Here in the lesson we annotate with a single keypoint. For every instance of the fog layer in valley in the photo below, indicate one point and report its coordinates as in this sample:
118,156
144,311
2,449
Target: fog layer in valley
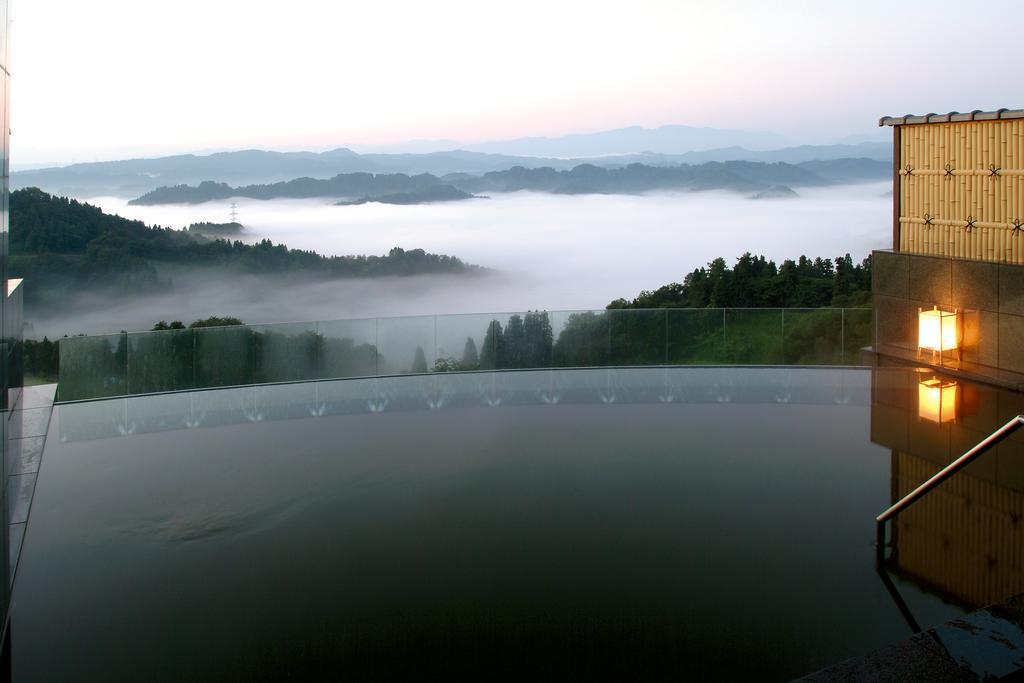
549,252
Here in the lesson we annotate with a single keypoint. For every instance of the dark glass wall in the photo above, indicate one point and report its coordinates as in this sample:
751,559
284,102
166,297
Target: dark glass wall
11,333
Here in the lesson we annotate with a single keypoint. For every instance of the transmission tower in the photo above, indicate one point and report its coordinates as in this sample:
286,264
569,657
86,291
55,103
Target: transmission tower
234,212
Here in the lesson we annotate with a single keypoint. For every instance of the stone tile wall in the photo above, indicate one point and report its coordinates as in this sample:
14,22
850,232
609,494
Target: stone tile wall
989,295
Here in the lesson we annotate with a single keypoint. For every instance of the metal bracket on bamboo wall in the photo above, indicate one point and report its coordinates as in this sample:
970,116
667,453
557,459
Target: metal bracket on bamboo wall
949,171
1016,225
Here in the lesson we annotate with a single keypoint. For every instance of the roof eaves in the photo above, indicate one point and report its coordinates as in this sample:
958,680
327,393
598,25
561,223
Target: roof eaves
953,116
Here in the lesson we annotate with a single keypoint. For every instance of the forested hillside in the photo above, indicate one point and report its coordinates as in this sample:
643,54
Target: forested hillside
755,282
63,244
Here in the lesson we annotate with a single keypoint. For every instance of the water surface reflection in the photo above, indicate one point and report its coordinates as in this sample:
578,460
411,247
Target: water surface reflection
641,523
963,541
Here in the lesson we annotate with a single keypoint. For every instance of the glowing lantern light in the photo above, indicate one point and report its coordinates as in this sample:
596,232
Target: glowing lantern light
937,330
937,400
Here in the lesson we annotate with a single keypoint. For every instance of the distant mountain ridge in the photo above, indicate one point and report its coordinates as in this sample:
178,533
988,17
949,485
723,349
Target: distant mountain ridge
767,179
879,151
135,177
669,139
132,176
739,176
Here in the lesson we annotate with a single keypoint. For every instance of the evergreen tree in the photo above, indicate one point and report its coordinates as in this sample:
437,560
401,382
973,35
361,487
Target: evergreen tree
492,356
842,283
419,361
470,357
515,342
538,340
788,282
718,279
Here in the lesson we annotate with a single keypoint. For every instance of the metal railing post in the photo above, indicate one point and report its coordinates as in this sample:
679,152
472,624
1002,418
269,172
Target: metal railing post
782,340
723,333
842,335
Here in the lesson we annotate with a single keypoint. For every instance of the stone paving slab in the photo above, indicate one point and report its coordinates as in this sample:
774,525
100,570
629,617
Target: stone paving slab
24,455
27,426
40,396
29,422
985,645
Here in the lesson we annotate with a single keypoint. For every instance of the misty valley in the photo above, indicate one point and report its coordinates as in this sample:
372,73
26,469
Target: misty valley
535,250
439,233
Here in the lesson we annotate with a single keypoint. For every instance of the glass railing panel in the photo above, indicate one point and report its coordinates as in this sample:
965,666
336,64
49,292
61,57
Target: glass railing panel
158,413
637,385
813,336
13,310
286,352
638,337
464,389
466,342
226,406
532,387
12,332
161,361
694,336
91,419
224,356
581,339
406,345
286,401
174,360
349,396
858,332
93,367
753,336
6,459
7,353
567,386
398,394
348,348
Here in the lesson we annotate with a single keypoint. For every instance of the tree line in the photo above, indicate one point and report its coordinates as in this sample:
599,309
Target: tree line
755,282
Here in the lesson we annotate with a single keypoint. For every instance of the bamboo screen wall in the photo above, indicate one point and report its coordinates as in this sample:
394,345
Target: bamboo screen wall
961,190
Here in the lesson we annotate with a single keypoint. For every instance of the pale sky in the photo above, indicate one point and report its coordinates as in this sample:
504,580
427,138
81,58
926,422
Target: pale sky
103,79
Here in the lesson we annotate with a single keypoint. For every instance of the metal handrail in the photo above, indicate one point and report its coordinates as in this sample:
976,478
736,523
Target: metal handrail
945,473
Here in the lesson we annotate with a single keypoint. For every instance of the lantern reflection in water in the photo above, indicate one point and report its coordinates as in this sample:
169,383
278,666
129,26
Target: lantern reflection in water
937,400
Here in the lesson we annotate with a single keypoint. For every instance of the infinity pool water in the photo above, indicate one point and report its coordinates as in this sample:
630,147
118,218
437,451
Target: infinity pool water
634,524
